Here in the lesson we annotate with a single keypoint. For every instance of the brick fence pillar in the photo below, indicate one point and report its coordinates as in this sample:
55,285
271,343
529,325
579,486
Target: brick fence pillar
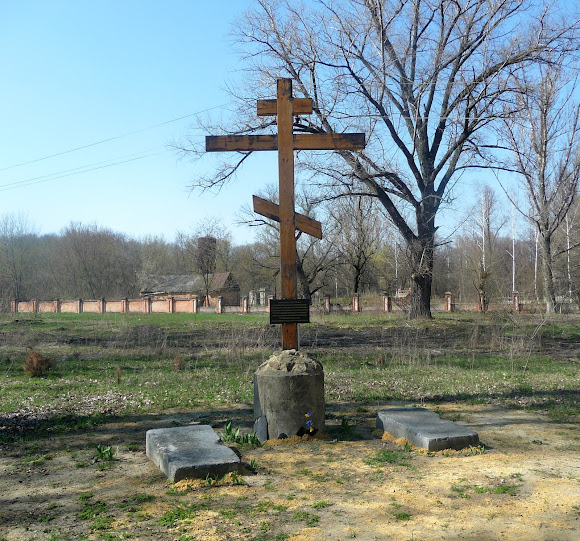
448,302
125,306
356,304
516,306
327,306
14,305
270,297
245,305
195,305
387,304
482,306
219,307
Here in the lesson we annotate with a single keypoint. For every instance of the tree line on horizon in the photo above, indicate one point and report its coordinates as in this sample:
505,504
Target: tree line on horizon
488,254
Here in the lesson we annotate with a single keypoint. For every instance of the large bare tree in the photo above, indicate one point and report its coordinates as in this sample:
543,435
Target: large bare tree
422,78
543,140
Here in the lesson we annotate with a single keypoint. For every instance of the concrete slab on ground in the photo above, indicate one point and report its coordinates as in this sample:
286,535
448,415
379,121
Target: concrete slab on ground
425,429
190,452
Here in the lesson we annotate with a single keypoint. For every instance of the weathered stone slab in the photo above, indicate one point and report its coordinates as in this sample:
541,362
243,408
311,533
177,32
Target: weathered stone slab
190,451
425,429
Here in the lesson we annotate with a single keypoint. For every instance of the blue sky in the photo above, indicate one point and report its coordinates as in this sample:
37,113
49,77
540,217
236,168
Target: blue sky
80,72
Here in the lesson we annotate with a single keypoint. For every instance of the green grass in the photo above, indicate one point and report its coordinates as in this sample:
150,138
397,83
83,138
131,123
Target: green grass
464,490
110,365
386,456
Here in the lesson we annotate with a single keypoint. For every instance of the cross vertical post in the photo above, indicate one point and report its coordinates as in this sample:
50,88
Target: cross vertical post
288,278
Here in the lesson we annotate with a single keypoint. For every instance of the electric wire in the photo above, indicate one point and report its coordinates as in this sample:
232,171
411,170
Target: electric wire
77,170
110,139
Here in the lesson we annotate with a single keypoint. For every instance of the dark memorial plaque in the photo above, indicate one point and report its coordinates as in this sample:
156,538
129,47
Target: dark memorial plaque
289,311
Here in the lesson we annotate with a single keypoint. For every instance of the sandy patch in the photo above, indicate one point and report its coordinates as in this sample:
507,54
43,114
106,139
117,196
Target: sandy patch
525,485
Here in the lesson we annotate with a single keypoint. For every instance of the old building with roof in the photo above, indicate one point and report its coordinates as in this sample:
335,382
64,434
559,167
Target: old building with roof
186,286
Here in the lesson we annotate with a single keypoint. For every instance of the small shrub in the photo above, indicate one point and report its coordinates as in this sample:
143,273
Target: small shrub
37,365
402,516
178,363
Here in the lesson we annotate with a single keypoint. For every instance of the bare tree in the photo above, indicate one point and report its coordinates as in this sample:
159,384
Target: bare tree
485,230
17,255
543,140
97,262
358,235
422,79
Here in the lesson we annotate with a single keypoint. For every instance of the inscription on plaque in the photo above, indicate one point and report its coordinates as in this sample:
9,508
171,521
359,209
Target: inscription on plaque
289,311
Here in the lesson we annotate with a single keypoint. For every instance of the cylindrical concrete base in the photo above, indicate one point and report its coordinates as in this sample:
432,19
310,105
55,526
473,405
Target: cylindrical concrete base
287,387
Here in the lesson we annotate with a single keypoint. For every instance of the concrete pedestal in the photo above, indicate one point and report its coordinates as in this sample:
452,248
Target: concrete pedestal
287,387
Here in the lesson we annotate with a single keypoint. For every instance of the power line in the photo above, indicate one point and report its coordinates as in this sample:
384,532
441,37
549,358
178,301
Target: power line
75,171
109,139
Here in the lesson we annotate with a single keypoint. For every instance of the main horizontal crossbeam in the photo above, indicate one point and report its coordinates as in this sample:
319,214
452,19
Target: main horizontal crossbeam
301,141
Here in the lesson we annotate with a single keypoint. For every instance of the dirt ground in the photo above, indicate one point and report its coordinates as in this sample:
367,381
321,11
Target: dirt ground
525,485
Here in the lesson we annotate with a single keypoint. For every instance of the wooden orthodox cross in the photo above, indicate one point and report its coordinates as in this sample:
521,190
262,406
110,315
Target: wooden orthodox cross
285,108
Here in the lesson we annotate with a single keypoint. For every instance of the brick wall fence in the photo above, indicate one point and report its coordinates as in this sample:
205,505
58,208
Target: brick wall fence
192,305
122,306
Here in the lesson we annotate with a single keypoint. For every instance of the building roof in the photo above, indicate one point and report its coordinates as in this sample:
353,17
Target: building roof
183,284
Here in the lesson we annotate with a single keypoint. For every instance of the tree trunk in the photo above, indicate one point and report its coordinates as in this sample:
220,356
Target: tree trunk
421,297
548,277
357,274
422,275
303,284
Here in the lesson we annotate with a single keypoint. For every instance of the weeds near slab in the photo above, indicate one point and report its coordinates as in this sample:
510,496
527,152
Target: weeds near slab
235,436
478,450
386,456
170,518
252,466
